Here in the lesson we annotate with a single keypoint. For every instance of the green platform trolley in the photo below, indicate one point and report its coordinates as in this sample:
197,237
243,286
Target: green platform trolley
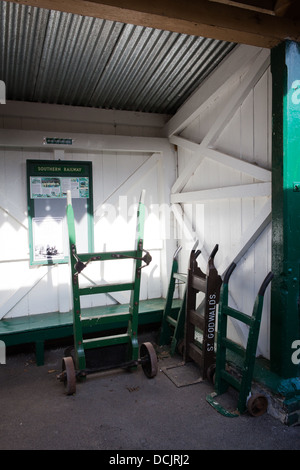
117,350
256,404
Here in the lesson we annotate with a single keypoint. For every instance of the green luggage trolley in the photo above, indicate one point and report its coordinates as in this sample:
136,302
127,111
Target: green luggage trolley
172,326
255,404
86,356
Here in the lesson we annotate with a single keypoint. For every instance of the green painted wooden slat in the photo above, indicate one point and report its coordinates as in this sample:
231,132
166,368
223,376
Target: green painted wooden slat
56,325
106,341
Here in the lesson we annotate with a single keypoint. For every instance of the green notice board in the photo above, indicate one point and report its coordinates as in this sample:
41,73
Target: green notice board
47,184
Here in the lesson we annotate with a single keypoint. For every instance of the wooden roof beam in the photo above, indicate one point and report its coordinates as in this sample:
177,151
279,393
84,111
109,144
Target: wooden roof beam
269,7
281,6
261,6
201,18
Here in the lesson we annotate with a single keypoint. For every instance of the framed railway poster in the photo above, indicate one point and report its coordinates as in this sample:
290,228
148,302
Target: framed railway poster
47,184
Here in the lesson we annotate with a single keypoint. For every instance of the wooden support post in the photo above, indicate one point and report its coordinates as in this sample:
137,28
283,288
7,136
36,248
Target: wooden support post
285,321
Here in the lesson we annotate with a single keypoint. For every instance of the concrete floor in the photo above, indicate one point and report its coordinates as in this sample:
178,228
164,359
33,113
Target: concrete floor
120,410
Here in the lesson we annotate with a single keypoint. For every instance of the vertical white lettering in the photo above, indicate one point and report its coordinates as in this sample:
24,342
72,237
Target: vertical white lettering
296,354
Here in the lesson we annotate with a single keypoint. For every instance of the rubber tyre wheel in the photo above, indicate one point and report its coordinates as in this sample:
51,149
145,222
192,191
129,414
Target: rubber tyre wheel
70,376
149,360
257,405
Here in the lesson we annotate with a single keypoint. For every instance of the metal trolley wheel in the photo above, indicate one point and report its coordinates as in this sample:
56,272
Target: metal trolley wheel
69,375
257,404
148,359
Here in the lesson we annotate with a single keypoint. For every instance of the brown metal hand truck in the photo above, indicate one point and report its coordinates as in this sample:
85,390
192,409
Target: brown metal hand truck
209,284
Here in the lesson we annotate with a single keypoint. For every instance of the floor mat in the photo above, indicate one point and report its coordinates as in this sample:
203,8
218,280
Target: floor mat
183,374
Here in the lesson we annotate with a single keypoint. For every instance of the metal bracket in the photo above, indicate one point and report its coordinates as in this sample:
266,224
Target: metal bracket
147,258
80,266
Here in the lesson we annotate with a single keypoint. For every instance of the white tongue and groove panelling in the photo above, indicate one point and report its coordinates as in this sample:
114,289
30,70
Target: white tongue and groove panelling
223,188
122,168
124,176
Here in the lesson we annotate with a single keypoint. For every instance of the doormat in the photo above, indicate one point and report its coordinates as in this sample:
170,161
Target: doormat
183,374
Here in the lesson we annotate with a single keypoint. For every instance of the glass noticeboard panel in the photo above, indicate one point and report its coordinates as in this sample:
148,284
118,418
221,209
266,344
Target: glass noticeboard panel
47,186
54,187
48,239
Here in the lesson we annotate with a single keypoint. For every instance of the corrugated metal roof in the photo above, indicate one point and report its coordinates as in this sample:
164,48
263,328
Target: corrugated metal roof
53,57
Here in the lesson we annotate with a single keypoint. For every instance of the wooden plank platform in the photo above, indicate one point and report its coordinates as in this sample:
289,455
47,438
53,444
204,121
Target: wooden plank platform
50,326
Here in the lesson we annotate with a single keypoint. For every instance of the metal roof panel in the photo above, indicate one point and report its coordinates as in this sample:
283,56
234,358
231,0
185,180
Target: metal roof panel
62,58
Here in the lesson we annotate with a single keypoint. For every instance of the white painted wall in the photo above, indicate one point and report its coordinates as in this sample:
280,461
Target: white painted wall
219,186
122,167
223,134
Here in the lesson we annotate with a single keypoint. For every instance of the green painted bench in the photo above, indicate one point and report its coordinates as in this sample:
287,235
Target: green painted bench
51,326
